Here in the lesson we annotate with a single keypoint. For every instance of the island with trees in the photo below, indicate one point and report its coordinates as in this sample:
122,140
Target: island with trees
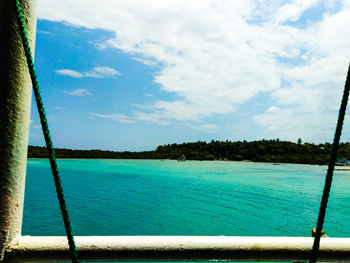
276,151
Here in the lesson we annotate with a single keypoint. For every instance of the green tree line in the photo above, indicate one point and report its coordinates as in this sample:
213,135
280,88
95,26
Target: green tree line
257,151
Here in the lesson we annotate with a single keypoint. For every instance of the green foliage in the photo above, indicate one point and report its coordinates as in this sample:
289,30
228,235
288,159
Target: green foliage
257,151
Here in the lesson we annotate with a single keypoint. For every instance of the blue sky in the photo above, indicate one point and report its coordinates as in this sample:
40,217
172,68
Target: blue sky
131,75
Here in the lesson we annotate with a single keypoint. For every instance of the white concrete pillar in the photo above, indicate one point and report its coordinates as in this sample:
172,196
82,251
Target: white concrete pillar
15,98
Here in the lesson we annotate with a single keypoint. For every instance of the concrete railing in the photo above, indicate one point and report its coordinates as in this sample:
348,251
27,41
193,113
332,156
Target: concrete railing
177,248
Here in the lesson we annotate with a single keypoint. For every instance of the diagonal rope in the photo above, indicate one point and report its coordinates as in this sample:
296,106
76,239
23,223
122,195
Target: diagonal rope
45,128
329,177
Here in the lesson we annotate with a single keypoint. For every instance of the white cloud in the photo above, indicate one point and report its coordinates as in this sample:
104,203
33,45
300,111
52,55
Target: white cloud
45,32
290,121
292,11
102,72
78,92
70,73
145,61
115,117
33,125
209,128
217,55
153,118
96,72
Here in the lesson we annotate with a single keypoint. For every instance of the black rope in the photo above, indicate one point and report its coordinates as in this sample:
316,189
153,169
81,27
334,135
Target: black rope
45,128
329,177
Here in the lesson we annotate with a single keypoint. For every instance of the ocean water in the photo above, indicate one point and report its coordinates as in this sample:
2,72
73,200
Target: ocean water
153,197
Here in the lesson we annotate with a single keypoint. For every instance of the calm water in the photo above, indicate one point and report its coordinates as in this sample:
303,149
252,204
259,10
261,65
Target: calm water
153,197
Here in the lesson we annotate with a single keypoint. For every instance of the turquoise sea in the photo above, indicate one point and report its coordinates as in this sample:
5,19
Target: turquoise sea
154,197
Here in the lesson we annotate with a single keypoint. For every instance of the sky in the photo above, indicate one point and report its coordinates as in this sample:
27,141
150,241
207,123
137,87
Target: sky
132,75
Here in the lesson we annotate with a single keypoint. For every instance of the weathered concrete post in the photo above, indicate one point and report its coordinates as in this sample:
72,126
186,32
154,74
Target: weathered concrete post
15,98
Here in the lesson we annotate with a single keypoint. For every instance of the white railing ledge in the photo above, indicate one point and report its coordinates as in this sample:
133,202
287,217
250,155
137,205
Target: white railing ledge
177,248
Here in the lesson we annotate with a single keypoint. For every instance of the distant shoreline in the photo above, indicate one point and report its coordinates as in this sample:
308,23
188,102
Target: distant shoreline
265,151
82,158
245,161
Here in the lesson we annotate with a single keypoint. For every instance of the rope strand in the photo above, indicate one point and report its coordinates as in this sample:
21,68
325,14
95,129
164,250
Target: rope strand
46,132
329,177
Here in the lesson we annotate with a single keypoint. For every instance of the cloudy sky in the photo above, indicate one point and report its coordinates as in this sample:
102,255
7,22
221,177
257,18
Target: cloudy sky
131,75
